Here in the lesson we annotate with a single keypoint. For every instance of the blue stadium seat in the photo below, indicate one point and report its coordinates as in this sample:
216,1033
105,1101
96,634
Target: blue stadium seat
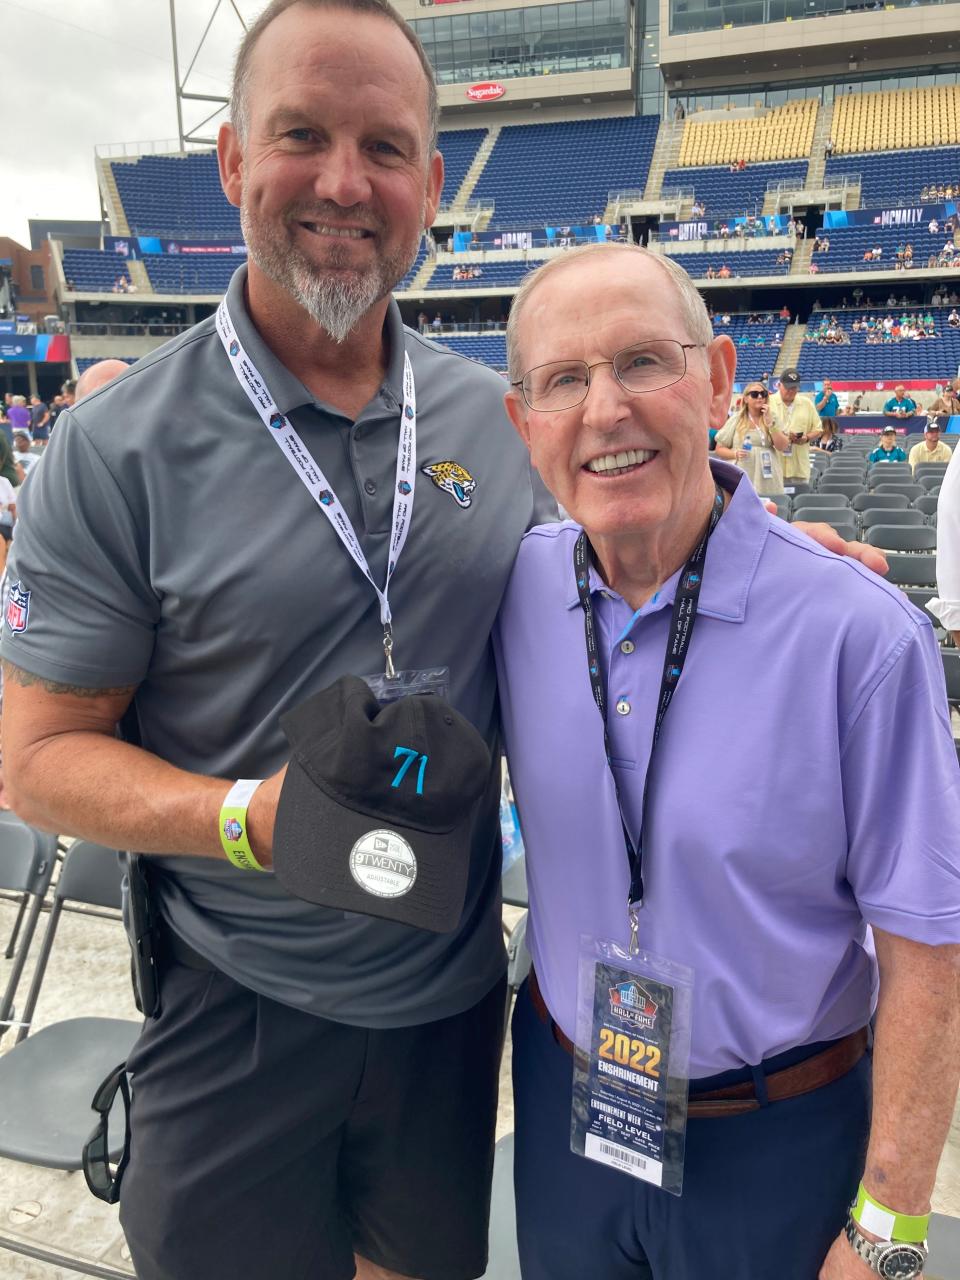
562,173
458,147
487,349
856,361
93,270
731,195
890,178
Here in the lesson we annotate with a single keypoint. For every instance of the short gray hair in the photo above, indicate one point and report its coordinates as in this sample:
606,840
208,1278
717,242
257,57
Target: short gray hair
692,307
239,114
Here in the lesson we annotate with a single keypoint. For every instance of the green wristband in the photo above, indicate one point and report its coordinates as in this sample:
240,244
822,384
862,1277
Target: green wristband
887,1223
233,825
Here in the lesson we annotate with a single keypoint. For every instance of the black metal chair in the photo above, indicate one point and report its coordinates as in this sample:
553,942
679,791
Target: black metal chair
909,491
894,537
892,501
927,504
27,860
911,570
881,515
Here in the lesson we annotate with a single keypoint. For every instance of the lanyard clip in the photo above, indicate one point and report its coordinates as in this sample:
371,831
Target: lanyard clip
389,670
633,911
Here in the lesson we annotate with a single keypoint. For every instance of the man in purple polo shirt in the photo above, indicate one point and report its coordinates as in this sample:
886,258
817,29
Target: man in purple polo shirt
773,834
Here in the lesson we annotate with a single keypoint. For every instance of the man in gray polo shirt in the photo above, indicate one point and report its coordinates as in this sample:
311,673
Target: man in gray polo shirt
315,1080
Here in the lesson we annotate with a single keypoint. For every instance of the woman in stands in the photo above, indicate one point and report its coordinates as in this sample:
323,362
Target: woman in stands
750,439
830,441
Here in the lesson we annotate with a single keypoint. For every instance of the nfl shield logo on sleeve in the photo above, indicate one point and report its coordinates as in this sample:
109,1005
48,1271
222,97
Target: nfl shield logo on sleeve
18,608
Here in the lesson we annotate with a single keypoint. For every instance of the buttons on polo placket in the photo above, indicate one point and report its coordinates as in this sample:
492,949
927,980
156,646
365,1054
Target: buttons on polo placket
623,707
627,646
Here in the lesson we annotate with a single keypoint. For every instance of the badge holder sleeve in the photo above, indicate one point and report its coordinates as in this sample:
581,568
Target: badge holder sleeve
632,1064
404,684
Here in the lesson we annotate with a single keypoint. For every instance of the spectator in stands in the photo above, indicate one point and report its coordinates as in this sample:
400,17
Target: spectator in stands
19,416
799,421
830,440
947,402
933,227
21,452
751,438
785,313
422,321
724,273
876,253
829,148
39,419
814,270
888,450
953,319
827,404
900,405
931,448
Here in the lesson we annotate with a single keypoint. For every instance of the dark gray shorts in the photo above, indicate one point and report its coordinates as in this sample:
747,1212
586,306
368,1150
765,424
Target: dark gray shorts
269,1144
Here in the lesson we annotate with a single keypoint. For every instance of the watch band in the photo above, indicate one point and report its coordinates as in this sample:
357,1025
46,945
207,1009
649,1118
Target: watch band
887,1223
891,1259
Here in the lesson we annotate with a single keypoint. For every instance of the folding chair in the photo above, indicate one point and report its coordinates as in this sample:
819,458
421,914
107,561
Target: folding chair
845,526
849,488
808,505
875,501
27,860
902,537
880,515
930,481
889,473
927,505
911,570
937,469
909,491
48,1079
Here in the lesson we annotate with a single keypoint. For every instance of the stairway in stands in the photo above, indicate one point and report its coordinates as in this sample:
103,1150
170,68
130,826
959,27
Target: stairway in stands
790,351
822,133
665,156
477,166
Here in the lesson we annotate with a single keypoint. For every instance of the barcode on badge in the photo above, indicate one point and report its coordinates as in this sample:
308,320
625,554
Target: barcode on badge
622,1158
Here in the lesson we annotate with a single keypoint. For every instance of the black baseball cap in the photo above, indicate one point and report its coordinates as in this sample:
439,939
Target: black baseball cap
790,378
379,805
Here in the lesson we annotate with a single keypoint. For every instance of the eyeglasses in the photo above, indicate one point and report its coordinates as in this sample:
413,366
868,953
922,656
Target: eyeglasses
102,1180
563,384
759,395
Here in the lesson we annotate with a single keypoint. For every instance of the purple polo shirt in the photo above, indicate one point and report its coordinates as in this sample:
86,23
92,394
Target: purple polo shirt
19,416
805,784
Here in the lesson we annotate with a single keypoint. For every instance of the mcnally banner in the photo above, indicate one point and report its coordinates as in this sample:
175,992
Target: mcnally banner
538,236
137,246
917,216
49,348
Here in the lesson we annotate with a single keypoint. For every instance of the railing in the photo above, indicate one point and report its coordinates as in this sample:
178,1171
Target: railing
166,147
464,212
86,330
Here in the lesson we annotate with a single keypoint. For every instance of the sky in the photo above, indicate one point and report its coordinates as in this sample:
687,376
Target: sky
81,73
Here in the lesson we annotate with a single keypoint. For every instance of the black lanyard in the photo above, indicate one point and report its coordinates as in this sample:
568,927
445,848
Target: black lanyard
678,644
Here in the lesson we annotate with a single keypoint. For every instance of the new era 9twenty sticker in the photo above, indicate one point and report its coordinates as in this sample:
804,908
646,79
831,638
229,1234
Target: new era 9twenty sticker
18,608
382,863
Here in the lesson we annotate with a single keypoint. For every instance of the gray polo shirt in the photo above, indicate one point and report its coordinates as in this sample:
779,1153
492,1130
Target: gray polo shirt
166,543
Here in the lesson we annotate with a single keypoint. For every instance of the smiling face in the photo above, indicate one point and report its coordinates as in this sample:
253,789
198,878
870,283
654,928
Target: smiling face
620,462
334,178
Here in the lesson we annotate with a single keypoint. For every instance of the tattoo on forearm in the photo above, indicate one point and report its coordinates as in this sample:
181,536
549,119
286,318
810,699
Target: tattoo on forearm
17,675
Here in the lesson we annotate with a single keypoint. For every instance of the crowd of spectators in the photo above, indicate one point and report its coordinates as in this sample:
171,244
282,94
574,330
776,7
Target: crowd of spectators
827,332
940,191
123,284
471,272
905,328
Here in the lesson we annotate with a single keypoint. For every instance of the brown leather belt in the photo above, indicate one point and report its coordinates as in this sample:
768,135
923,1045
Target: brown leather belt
737,1099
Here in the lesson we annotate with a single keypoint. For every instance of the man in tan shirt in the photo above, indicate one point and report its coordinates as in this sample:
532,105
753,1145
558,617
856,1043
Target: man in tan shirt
799,421
930,449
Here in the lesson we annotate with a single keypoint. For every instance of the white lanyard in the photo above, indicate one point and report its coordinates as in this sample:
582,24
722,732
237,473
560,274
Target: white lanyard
282,430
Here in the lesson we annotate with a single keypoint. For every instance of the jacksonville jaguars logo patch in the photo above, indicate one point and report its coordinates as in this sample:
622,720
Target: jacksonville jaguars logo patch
453,479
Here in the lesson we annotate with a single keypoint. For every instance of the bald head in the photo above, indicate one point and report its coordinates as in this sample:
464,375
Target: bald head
98,375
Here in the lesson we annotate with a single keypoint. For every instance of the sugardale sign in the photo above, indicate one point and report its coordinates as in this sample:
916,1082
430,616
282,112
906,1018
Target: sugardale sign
489,91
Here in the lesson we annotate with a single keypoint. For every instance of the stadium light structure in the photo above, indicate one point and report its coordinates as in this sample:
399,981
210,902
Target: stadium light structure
193,136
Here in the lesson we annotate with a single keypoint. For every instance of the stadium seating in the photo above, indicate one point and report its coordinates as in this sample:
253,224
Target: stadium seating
848,245
407,280
748,262
890,178
458,146
92,270
937,357
562,173
489,349
782,133
729,195
753,360
896,118
176,196
191,273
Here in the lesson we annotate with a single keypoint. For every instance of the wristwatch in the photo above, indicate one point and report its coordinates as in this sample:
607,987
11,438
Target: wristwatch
893,1259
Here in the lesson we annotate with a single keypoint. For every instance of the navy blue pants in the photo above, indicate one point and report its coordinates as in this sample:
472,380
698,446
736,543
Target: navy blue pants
764,1194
